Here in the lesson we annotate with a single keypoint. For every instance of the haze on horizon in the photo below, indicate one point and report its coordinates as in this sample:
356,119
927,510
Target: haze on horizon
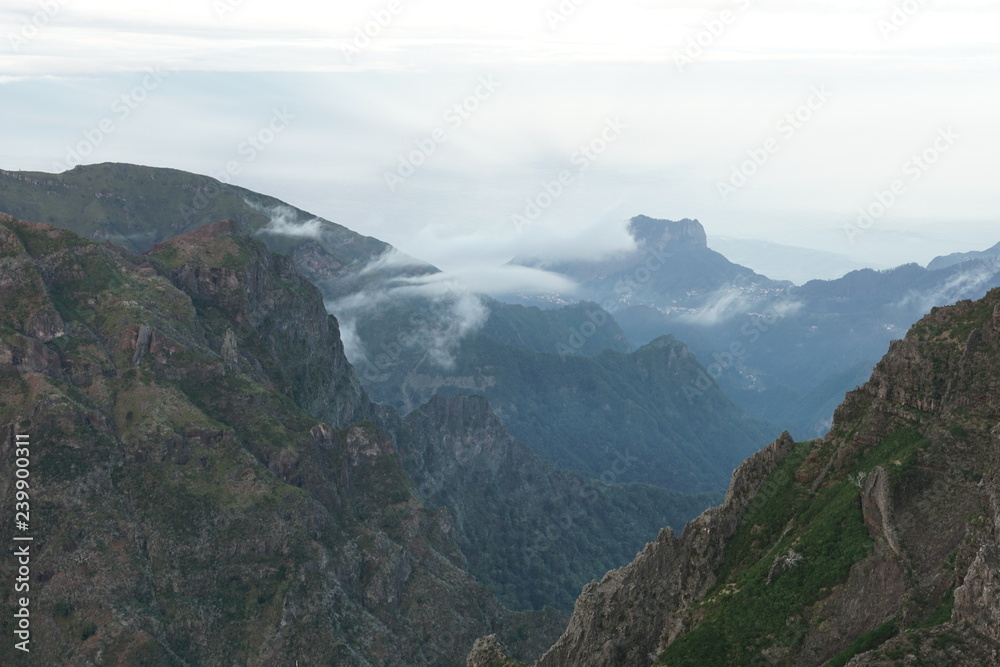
775,122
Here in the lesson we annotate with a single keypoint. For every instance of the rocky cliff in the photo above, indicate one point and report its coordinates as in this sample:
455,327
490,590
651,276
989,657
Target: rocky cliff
190,505
619,620
874,545
276,311
646,230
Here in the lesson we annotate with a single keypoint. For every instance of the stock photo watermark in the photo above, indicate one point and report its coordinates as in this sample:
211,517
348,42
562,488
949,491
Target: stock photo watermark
786,127
900,15
365,34
456,115
32,27
122,107
913,170
585,155
223,7
22,540
248,150
712,30
626,286
562,12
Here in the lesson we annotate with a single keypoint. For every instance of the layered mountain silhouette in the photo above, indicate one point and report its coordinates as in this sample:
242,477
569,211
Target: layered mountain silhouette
213,482
785,353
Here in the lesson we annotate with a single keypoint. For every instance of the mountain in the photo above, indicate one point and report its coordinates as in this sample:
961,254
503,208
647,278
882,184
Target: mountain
670,267
533,533
786,262
204,481
136,207
656,408
943,262
401,340
784,353
580,328
875,545
576,411
413,333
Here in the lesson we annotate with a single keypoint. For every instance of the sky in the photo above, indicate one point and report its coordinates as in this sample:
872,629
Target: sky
470,133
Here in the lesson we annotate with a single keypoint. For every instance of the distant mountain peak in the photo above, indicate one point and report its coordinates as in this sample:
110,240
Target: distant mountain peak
943,262
646,230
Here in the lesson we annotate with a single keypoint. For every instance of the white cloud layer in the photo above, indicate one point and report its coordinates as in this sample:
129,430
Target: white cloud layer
355,118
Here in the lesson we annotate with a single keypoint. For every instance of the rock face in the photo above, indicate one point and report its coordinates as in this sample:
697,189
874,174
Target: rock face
228,272
619,620
190,505
874,545
489,652
533,533
649,230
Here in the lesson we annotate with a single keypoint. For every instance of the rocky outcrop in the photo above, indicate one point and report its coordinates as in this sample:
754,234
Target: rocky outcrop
876,503
489,652
977,600
666,232
620,619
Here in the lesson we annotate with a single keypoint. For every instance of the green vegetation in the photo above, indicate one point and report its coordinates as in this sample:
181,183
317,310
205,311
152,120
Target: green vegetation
193,499
746,614
533,533
865,642
135,206
941,613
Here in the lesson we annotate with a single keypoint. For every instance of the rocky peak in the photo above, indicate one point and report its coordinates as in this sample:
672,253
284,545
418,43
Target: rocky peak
653,232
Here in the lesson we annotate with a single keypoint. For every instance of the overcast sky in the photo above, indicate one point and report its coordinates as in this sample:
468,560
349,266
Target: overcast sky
771,120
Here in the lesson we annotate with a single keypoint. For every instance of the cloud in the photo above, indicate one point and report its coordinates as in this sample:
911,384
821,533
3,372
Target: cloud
504,280
354,349
284,221
393,259
439,313
969,283
733,302
719,307
8,78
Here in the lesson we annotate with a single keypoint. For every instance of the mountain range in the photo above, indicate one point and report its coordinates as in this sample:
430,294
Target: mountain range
210,454
412,333
785,353
217,483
